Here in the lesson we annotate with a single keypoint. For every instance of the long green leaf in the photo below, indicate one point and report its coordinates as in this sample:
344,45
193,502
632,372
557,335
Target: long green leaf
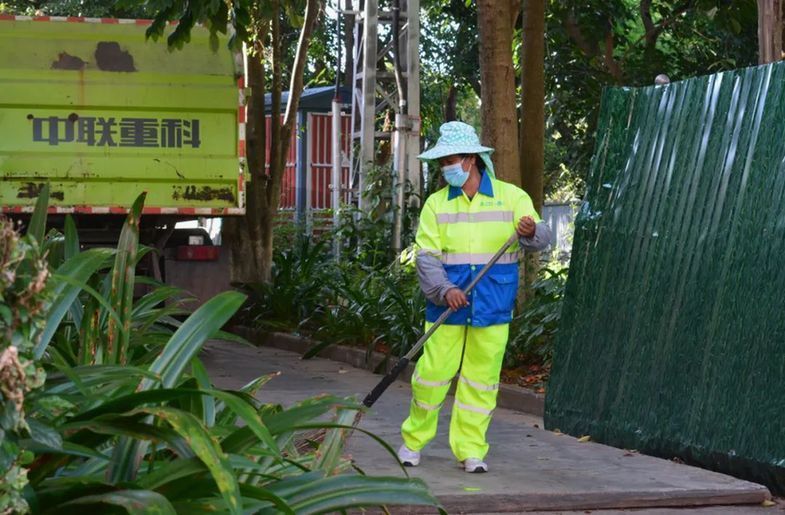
123,275
89,329
200,506
186,343
125,426
154,298
71,246
329,425
264,494
81,379
354,491
134,400
287,421
329,454
126,457
134,502
172,471
248,414
206,448
55,491
68,448
79,268
225,416
199,373
84,286
37,227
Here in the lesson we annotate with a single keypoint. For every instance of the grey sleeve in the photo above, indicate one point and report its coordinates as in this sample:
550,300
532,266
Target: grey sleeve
540,240
433,278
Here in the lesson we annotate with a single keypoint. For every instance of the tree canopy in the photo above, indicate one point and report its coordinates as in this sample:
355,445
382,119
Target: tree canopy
589,45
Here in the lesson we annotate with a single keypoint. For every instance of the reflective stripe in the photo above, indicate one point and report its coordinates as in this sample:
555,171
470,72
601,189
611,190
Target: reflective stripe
429,252
479,386
434,384
475,409
427,407
484,216
460,258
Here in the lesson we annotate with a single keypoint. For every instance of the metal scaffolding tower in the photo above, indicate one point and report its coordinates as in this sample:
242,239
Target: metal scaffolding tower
386,78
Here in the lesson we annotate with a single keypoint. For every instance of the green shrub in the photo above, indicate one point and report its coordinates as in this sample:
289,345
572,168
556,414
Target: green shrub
295,292
24,298
533,331
379,305
380,309
128,419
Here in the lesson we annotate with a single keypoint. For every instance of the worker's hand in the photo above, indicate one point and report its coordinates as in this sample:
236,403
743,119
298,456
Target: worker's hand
526,227
455,298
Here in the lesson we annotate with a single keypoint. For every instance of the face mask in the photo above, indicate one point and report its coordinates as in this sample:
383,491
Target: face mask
455,175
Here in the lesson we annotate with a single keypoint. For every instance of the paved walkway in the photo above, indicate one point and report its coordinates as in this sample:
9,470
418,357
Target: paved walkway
531,469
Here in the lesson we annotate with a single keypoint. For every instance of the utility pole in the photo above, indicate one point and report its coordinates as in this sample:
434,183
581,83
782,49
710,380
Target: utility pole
336,136
376,88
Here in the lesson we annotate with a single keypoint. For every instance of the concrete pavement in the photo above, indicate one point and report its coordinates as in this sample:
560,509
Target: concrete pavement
530,469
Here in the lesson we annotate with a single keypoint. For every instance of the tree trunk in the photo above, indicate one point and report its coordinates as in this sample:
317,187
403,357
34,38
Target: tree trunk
451,105
251,238
244,235
282,131
499,113
532,119
769,31
533,100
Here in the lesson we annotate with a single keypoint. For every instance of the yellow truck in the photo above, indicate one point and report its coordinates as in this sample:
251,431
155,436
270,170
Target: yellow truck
100,114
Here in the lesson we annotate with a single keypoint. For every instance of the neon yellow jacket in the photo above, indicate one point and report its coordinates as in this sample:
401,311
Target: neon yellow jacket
457,236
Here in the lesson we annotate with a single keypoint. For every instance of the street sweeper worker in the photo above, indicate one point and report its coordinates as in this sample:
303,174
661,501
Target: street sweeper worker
461,228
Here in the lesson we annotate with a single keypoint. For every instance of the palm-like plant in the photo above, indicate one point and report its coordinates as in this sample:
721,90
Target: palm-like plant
128,419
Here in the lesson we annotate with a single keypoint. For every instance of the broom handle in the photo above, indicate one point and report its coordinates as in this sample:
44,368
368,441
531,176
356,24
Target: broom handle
402,363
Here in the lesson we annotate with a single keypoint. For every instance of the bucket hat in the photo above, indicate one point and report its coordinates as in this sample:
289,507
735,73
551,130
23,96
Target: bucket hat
459,138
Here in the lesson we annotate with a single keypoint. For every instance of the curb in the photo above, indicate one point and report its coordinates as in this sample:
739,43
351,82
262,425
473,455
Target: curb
510,396
586,501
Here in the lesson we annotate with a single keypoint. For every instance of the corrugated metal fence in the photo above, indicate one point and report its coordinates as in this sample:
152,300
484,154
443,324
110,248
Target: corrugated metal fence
672,338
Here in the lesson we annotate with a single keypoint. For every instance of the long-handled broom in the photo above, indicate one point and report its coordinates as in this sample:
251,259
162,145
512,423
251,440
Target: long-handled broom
402,363
319,436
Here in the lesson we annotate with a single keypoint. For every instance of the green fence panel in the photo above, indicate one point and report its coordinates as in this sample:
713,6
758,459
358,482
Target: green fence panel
673,330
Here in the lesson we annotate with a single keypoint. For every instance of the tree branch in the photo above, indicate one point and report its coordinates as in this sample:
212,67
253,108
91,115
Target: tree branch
653,30
648,23
275,102
575,33
312,10
610,63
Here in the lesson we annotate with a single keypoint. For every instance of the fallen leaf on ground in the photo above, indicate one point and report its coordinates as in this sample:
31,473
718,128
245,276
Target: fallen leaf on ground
768,503
584,439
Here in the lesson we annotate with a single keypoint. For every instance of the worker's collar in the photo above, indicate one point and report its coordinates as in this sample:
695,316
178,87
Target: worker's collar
486,188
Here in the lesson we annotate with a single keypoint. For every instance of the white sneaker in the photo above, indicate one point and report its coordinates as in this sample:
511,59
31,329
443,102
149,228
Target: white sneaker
475,466
408,457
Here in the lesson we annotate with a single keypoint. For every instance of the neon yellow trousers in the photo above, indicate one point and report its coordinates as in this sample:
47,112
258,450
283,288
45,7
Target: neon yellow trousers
478,384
